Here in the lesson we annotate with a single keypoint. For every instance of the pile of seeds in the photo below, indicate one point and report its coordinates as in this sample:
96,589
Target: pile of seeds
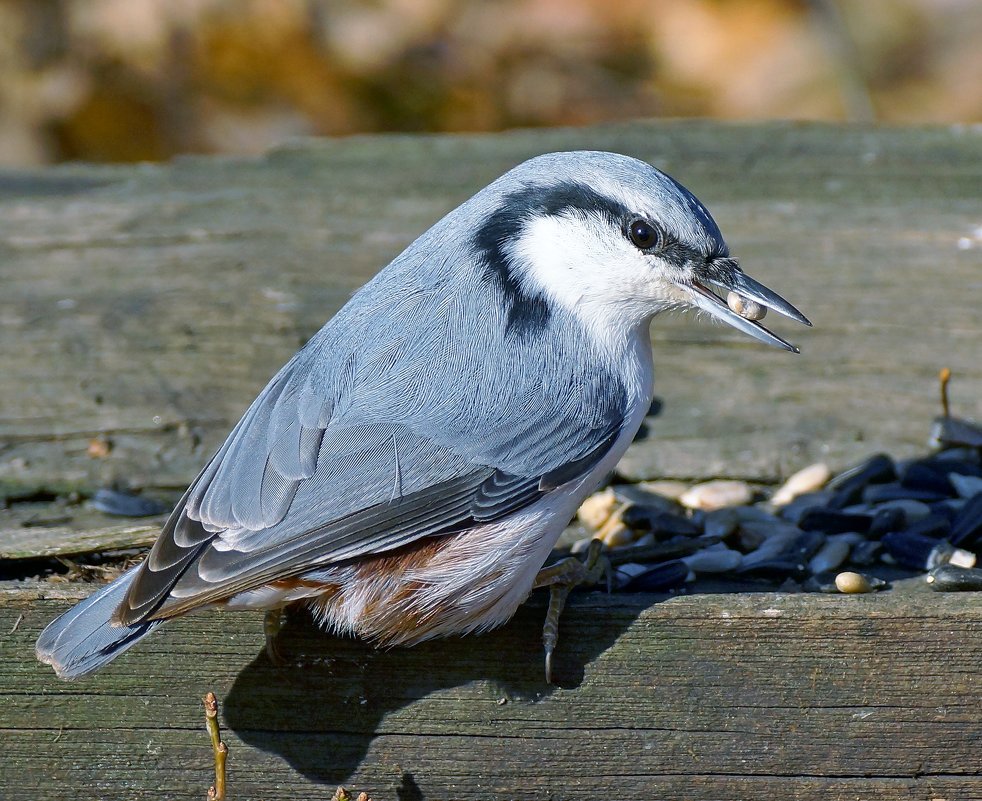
817,532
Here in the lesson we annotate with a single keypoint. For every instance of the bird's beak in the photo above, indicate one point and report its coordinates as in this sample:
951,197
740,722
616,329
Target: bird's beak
726,274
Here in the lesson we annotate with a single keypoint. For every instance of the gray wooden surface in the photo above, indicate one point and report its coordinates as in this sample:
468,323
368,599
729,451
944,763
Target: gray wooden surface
705,697
150,304
145,306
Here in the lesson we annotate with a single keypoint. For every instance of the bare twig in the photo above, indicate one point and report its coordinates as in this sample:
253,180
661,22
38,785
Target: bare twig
217,791
944,377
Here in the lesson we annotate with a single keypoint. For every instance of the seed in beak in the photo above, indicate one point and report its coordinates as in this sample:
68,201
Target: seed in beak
749,309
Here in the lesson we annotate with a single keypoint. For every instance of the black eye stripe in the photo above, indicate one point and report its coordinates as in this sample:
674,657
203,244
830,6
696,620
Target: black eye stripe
530,313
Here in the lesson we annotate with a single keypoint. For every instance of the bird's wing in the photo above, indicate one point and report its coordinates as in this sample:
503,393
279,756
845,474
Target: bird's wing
357,450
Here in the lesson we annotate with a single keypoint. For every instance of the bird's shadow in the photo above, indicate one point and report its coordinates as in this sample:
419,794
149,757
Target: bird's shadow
333,693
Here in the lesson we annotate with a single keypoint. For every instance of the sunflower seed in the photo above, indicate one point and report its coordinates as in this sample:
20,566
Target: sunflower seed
948,578
716,495
745,307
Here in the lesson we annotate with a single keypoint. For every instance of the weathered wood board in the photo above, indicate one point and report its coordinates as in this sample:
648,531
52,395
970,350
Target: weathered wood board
705,697
147,305
150,304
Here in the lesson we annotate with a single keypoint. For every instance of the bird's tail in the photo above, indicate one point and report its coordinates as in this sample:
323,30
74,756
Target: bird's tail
83,639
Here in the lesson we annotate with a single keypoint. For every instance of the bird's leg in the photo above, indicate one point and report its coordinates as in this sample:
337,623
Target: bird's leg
272,625
561,578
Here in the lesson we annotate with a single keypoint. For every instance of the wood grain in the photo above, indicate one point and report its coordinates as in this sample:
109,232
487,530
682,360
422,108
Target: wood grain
145,306
149,304
701,697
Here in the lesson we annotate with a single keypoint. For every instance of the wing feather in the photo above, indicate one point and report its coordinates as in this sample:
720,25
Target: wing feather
368,440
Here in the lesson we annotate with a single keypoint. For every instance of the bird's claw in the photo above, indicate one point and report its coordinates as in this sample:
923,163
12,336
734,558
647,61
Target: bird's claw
561,578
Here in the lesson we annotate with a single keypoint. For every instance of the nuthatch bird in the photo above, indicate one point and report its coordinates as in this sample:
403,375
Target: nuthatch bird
407,473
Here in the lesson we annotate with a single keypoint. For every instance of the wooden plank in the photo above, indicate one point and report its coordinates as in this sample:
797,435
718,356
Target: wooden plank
150,303
31,531
702,697
147,305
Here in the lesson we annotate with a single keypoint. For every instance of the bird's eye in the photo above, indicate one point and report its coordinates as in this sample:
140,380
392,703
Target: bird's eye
644,235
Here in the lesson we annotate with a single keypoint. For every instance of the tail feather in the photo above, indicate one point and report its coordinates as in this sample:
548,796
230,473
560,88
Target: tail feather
83,639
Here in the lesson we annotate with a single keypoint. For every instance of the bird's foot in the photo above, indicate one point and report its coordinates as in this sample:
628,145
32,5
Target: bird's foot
272,625
561,578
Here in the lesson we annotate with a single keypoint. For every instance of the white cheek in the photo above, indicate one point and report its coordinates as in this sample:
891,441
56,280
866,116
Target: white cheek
576,262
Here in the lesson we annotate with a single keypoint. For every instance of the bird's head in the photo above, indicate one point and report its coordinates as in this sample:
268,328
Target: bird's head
612,240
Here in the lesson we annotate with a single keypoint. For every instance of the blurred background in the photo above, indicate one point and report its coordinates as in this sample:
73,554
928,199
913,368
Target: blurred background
132,80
